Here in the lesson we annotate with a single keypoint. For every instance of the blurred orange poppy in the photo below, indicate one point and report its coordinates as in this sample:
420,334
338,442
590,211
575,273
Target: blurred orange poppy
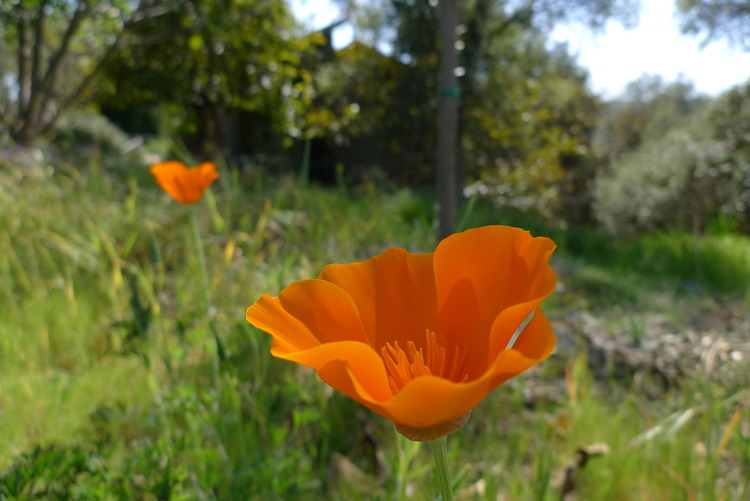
185,184
420,338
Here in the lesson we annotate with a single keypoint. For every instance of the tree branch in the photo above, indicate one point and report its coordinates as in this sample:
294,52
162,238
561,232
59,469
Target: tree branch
50,77
24,62
75,97
36,61
38,92
77,94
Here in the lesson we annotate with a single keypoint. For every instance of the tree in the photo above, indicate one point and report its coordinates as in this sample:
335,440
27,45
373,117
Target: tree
61,47
730,123
653,186
447,137
229,72
687,162
715,19
369,114
648,109
483,23
527,130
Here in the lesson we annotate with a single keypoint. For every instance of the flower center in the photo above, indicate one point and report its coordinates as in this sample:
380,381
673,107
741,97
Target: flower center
403,366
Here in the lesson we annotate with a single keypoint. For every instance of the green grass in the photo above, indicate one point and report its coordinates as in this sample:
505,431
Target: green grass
110,386
718,264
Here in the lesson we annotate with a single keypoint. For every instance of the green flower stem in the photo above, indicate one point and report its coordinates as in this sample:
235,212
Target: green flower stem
205,285
440,454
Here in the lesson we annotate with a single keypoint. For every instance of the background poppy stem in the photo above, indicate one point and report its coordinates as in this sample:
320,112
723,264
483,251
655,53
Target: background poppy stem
440,454
205,284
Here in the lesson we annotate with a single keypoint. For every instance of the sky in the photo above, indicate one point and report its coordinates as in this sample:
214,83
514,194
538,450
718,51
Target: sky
619,56
616,56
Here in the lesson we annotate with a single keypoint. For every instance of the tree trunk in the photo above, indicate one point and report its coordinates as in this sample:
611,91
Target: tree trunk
448,96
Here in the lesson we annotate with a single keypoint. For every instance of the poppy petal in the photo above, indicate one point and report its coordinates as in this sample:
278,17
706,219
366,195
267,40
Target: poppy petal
506,324
167,175
484,271
205,174
289,333
429,401
306,314
472,294
537,340
351,367
184,184
393,292
361,375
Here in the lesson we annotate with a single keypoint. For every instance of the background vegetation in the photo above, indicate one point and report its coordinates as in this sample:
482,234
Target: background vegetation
127,370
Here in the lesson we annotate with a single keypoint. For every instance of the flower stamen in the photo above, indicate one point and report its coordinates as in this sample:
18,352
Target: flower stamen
403,366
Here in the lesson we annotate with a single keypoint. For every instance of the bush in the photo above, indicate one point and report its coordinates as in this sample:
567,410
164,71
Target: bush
683,179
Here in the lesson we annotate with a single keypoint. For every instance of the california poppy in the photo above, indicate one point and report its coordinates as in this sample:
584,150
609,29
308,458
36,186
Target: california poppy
420,338
185,184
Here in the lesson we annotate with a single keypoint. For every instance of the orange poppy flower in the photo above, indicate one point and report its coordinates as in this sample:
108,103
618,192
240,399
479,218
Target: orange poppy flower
185,184
420,338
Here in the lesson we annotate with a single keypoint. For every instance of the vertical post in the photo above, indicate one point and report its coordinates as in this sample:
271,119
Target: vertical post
448,96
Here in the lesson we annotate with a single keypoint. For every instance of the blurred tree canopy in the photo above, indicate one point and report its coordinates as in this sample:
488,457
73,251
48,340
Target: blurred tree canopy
243,77
199,68
715,19
228,74
648,109
674,159
526,115
372,115
59,48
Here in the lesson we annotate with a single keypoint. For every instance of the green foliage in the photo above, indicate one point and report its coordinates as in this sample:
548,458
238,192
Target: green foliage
110,388
386,127
48,473
62,473
648,109
648,189
526,114
223,67
730,123
528,128
616,269
717,19
44,35
683,167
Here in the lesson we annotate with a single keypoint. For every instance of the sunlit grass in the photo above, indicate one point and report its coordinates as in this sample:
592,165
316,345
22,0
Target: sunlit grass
104,346
53,406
